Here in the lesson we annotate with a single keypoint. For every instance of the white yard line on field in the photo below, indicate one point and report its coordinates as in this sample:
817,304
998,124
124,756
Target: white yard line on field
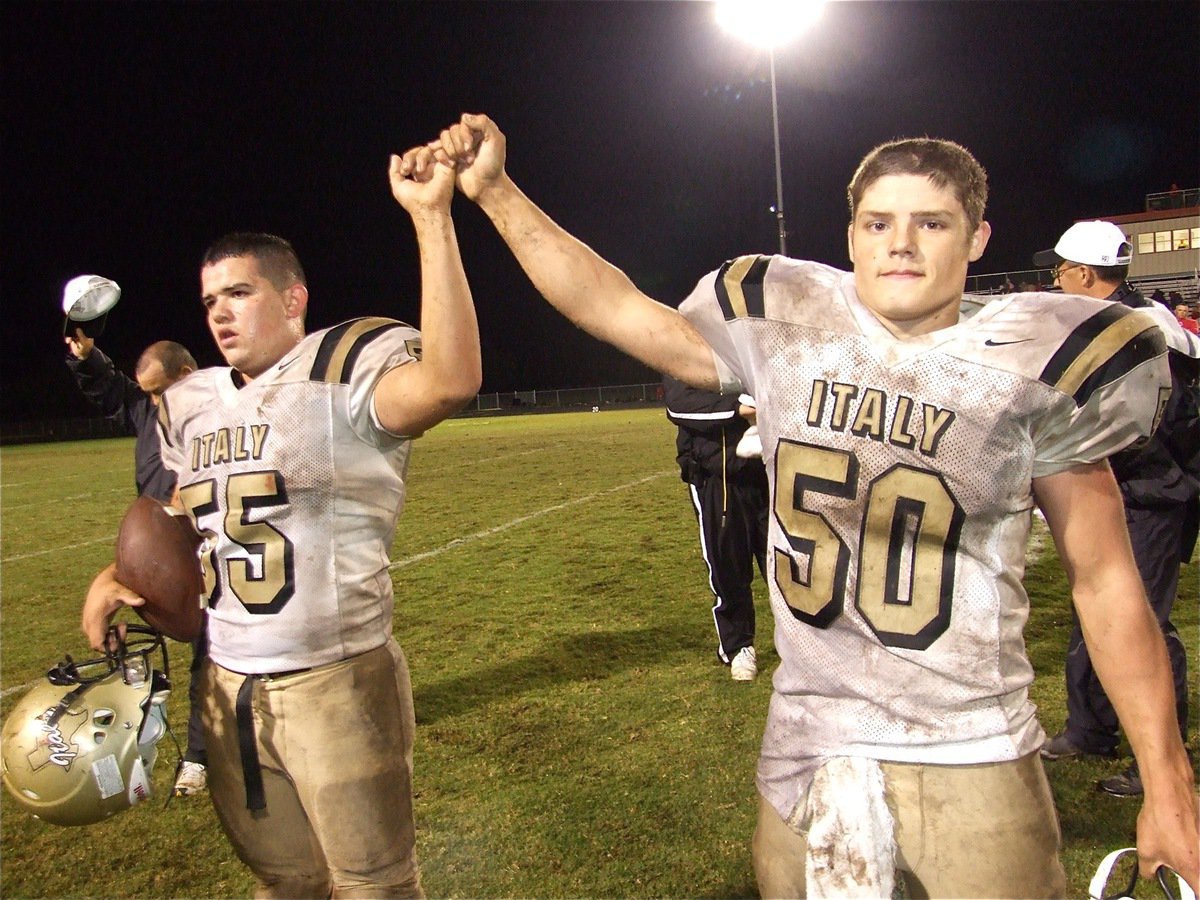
437,470
109,538
419,557
83,473
512,523
42,503
1038,538
400,563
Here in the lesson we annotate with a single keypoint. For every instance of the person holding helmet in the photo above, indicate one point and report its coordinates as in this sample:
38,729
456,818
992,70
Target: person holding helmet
133,402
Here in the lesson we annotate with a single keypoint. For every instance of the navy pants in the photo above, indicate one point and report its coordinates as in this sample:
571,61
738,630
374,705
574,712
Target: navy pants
732,514
1157,538
195,731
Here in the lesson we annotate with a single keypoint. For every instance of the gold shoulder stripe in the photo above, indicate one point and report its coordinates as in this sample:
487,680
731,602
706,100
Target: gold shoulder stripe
1106,345
341,346
739,287
733,283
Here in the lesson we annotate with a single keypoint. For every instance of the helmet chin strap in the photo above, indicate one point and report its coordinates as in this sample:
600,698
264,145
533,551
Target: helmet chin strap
65,703
130,656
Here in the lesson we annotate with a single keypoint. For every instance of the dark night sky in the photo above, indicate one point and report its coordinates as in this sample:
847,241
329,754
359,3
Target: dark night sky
135,133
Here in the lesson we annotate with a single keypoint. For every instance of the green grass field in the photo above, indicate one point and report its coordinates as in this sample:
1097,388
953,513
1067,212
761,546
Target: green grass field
576,735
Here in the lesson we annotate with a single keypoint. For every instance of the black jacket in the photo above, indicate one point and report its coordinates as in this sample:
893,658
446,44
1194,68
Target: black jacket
709,431
1166,469
118,396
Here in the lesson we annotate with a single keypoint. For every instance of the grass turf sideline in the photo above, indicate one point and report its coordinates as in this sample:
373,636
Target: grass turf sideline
576,736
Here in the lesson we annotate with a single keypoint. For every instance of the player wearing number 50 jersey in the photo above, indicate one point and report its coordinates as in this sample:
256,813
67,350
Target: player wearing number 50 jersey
902,474
906,450
292,460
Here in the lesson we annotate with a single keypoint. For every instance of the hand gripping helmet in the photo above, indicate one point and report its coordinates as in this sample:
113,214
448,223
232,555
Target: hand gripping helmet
80,746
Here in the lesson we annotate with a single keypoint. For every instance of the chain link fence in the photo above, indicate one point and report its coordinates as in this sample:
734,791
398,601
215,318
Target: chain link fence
61,430
595,398
563,399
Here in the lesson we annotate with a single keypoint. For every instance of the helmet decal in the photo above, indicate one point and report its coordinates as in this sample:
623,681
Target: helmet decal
80,746
57,745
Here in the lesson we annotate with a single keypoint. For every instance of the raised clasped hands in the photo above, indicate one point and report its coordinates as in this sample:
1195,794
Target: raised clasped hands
420,184
473,147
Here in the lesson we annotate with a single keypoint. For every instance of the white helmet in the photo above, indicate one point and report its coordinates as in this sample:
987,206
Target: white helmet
80,746
86,302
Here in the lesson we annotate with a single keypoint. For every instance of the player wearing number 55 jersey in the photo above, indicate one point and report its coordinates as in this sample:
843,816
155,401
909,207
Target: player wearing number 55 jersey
297,579
292,461
905,451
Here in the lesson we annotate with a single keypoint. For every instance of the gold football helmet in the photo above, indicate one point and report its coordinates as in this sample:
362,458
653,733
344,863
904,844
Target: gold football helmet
80,746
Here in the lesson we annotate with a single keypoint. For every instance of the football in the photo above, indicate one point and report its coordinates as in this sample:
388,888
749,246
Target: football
158,557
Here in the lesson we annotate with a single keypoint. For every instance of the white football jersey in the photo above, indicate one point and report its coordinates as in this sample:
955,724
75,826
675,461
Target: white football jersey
901,487
298,488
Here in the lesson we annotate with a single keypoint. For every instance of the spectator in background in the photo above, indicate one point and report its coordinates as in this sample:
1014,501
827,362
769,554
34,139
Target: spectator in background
729,495
1159,297
1183,313
1158,481
132,402
135,404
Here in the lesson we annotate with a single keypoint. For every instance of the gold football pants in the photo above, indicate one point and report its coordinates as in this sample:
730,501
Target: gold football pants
961,831
335,749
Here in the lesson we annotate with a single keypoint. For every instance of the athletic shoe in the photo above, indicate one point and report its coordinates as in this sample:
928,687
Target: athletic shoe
745,665
1127,784
193,779
1062,747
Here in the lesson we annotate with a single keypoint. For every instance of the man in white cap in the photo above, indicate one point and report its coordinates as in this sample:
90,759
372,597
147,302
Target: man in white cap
86,302
133,402
1158,480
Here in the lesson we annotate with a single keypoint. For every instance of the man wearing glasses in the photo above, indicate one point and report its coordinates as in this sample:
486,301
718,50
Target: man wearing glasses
1158,482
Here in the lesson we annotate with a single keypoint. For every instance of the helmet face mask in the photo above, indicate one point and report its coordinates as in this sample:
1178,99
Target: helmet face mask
81,745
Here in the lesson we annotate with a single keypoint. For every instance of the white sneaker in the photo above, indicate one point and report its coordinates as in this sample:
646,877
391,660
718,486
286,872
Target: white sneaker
745,665
193,779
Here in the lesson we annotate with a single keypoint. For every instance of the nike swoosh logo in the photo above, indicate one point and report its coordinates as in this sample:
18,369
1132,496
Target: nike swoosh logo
287,362
990,343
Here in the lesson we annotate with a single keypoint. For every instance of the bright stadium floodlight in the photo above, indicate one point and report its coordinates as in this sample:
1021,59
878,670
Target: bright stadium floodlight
770,24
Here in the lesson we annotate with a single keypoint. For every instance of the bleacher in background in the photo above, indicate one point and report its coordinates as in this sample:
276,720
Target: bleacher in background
1166,251
1188,286
1176,199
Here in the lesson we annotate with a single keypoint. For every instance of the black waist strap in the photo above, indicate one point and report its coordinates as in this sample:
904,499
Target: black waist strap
248,745
247,741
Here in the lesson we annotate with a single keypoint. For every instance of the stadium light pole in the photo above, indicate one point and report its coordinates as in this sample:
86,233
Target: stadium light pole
770,24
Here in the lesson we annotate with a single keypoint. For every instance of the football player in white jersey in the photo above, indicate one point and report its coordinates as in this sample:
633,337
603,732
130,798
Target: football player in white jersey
906,451
293,461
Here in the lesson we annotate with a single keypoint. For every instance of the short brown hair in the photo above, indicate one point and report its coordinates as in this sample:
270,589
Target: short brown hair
173,358
1111,274
275,256
945,163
